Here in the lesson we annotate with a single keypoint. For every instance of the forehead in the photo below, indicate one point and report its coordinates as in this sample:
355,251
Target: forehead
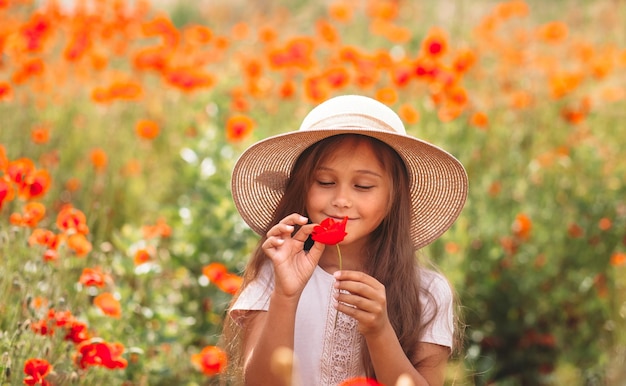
354,150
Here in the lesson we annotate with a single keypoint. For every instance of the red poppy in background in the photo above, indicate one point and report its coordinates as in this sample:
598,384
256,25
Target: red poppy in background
218,274
98,353
330,232
78,243
36,370
108,304
147,129
211,360
71,220
93,277
238,127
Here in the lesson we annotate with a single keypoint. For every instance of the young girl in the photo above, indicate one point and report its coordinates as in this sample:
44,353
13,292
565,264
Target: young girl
381,314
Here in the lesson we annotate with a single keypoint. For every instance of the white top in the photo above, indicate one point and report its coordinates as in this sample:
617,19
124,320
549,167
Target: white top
327,354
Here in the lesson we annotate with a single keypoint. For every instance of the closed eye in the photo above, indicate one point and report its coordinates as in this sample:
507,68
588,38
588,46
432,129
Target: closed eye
363,187
325,183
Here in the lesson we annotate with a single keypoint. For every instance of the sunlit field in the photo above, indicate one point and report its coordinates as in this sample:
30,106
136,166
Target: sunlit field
120,122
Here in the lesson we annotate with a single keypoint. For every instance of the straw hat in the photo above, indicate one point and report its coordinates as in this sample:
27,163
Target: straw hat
438,182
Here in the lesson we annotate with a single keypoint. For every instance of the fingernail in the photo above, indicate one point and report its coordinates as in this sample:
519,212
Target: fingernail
303,219
290,227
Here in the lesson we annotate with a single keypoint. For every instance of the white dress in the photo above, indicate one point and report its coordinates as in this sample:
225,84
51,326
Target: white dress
328,355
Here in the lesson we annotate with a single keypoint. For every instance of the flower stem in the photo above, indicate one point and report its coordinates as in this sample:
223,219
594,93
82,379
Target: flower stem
340,268
339,253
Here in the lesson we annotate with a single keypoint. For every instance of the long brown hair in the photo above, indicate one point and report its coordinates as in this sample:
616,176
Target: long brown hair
392,257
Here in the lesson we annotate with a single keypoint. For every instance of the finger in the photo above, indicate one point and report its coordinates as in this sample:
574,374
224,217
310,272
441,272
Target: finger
280,229
294,219
272,242
359,302
304,232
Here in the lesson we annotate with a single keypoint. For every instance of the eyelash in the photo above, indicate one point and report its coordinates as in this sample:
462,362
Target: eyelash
361,187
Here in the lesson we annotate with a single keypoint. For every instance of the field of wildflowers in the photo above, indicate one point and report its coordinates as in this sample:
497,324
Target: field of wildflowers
120,122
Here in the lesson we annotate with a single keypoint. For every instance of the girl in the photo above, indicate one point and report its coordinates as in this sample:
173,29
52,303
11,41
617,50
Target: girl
381,314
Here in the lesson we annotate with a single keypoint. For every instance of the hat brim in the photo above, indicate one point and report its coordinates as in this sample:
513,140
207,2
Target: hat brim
437,180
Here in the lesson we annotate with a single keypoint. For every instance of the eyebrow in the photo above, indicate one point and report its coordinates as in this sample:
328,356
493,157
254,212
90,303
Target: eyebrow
360,171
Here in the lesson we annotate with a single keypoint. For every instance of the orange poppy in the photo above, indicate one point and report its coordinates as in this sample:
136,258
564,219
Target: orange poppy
382,9
78,243
212,360
152,58
40,134
387,95
28,69
618,259
127,90
522,226
79,44
479,119
108,304
160,229
605,224
162,26
197,34
553,32
72,220
147,129
435,44
326,31
408,113
33,213
93,277
230,283
337,77
287,89
143,255
45,237
340,11
188,79
238,127
99,159
463,60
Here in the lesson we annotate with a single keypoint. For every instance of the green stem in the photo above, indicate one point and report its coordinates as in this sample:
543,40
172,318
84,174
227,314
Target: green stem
339,253
340,267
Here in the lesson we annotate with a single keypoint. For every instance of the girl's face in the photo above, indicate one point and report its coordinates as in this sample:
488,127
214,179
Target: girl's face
351,182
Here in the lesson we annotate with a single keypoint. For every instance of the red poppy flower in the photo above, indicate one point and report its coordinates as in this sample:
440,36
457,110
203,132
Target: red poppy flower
36,370
108,304
93,277
77,332
211,361
330,232
98,353
360,381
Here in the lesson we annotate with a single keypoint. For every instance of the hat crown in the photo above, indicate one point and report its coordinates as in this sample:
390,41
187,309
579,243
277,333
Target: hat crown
339,111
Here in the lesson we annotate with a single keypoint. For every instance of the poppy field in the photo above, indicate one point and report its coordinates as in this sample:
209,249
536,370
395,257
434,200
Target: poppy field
120,122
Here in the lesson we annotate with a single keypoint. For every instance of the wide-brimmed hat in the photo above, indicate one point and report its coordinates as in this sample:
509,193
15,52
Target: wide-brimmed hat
437,180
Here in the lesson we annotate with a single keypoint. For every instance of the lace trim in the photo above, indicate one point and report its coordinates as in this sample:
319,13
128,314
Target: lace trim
341,352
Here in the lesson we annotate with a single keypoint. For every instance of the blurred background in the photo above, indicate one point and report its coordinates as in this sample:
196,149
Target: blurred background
120,122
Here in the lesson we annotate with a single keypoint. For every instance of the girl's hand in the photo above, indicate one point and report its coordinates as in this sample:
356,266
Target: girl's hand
293,266
366,301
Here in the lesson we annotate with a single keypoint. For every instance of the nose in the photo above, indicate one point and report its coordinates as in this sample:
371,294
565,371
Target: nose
342,198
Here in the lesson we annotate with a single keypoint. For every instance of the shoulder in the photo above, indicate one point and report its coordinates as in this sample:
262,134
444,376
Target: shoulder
435,283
